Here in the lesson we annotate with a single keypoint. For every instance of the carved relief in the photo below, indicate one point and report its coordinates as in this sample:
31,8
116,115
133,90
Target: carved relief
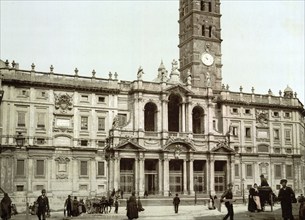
261,117
63,102
62,163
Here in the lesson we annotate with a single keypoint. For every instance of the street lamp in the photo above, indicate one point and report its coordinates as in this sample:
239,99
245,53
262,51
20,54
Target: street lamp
195,190
20,140
243,189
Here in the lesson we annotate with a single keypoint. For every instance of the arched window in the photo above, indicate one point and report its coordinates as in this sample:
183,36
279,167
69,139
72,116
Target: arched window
198,120
150,117
210,31
203,30
174,112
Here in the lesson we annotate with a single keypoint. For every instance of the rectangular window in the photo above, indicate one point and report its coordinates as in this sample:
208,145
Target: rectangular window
19,188
101,143
101,168
20,168
247,111
84,98
278,171
276,134
84,143
248,132
21,119
84,168
287,115
122,119
41,120
249,170
276,114
234,131
39,167
203,30
287,135
84,123
210,6
101,99
40,141
236,170
288,171
101,124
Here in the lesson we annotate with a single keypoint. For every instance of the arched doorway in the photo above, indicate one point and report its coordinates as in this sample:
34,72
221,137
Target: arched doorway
150,117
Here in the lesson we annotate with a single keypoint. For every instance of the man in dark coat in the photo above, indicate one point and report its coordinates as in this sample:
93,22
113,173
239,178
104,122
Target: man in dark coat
132,207
176,202
263,181
68,206
227,196
6,203
286,195
43,205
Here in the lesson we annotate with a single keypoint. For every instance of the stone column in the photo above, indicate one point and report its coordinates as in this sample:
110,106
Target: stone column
110,174
165,176
30,170
75,177
116,173
191,176
92,177
212,177
136,166
136,112
164,113
183,116
141,176
160,179
189,118
232,164
141,113
184,178
207,176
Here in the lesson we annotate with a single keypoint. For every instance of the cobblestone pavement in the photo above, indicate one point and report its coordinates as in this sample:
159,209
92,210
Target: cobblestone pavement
189,212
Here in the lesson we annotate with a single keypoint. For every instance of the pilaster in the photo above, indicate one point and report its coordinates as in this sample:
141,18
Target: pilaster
191,176
165,176
184,178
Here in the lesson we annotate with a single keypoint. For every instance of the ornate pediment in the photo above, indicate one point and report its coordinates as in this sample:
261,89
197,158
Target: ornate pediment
129,145
180,146
180,89
222,147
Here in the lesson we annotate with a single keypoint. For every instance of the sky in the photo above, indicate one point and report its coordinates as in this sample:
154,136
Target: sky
263,41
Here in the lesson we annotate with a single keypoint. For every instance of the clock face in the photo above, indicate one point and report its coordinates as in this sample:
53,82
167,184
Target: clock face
207,59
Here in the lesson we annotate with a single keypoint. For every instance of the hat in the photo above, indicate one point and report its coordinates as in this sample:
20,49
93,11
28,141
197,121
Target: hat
283,180
262,175
43,191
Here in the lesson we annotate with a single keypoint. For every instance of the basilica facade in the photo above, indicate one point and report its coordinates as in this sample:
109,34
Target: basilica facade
183,132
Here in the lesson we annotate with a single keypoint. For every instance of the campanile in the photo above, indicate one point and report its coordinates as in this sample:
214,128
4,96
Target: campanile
200,42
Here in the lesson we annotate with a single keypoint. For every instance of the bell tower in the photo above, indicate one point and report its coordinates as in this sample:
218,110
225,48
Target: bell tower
200,42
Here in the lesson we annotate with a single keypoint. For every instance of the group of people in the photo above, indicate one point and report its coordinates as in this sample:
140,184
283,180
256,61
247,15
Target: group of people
74,207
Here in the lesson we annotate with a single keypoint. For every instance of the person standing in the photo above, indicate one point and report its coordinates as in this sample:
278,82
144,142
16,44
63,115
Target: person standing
263,180
285,196
132,207
75,211
254,200
43,205
116,205
6,203
176,202
68,206
227,196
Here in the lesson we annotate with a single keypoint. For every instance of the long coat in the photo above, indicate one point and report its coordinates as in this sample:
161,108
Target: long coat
132,208
6,207
285,196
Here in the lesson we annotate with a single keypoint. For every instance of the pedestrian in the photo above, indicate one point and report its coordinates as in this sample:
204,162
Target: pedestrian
145,194
116,205
140,207
6,203
176,202
75,211
43,205
68,206
227,197
286,195
122,193
301,200
132,207
254,200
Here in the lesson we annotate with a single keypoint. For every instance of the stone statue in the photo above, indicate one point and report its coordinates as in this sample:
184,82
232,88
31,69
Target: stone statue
140,73
115,122
208,79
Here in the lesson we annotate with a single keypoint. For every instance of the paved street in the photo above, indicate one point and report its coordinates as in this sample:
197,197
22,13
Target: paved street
188,212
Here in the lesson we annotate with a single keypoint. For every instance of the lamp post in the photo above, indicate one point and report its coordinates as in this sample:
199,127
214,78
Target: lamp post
195,186
20,140
243,189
